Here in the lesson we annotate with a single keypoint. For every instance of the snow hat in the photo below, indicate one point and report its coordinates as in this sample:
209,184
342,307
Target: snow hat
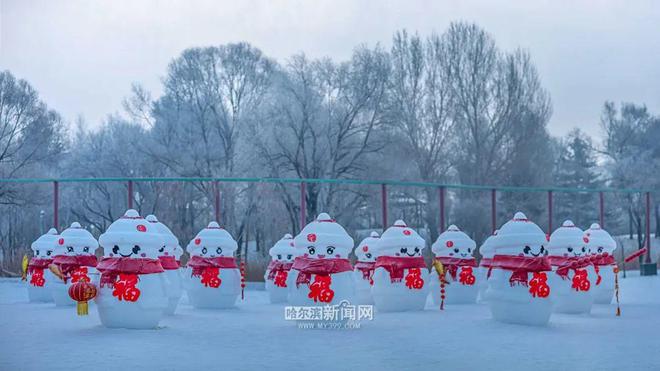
520,237
399,240
131,236
44,246
212,242
365,252
598,240
169,239
76,240
283,249
567,241
486,248
323,238
455,243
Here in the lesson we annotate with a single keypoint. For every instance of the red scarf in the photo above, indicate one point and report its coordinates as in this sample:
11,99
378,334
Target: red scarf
274,267
111,268
74,267
367,269
580,281
169,263
451,266
38,265
486,262
320,267
396,265
602,259
521,266
208,269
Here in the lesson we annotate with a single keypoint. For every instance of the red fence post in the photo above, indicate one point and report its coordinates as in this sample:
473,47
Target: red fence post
441,192
130,194
303,204
648,227
601,212
493,209
383,204
56,204
216,200
549,212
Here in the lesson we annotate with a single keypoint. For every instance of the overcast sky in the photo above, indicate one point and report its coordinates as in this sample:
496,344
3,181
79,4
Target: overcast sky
82,56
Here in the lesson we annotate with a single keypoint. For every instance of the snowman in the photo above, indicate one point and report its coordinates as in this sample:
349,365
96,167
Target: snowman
574,275
133,286
75,261
601,248
215,280
454,250
168,254
322,273
282,256
518,288
483,272
38,275
364,269
400,276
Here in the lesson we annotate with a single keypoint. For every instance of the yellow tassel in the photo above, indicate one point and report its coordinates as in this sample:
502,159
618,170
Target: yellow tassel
439,267
616,290
83,308
24,265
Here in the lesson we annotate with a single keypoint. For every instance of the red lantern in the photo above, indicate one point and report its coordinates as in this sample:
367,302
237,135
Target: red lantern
82,292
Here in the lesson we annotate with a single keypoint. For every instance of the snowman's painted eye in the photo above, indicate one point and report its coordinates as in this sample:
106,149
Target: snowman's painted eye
218,251
416,249
527,249
37,252
115,249
600,249
584,249
279,256
136,249
69,248
570,249
289,256
86,249
542,249
204,250
161,249
48,252
330,250
404,250
311,250
456,250
368,255
469,249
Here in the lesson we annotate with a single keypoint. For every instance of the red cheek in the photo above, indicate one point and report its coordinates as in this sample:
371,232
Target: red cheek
451,254
166,253
143,255
112,254
565,255
397,254
306,255
521,254
337,256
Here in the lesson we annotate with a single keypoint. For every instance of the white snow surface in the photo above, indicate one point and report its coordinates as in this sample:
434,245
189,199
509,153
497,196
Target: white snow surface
255,336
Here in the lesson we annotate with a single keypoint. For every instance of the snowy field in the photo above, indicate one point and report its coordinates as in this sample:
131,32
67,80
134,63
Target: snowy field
255,336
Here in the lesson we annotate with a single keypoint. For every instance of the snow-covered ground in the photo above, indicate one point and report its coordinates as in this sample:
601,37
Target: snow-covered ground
255,336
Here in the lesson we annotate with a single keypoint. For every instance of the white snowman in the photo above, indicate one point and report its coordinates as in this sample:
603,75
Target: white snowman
168,256
322,273
574,275
401,279
518,288
75,261
282,255
133,286
215,280
484,270
454,250
601,248
38,274
364,268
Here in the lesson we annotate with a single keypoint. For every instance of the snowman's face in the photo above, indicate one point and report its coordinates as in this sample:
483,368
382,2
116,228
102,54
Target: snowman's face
527,250
167,250
410,251
323,251
462,252
43,253
575,251
284,257
596,250
131,250
211,250
74,249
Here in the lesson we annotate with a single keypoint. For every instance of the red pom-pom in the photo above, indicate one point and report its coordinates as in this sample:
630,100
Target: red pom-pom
406,232
365,248
61,241
141,228
585,239
198,241
311,237
450,244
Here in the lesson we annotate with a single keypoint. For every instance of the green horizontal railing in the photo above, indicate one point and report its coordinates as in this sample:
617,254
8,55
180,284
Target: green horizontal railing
333,181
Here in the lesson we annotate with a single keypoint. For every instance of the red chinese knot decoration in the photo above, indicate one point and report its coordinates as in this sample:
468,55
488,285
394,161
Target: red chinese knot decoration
414,279
467,276
37,278
125,288
280,278
581,280
210,277
538,285
80,275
